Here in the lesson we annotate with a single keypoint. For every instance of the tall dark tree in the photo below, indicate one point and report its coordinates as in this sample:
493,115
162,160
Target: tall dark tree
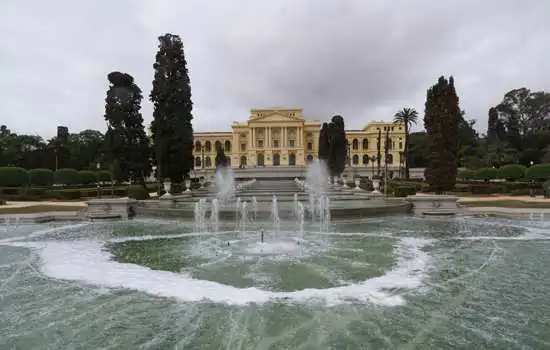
126,143
221,159
324,143
442,120
495,128
378,152
337,146
387,147
172,131
408,117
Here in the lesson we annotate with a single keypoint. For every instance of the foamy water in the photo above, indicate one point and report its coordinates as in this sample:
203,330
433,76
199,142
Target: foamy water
88,262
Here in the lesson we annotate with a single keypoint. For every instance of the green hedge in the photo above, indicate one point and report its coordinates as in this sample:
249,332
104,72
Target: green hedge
404,191
87,177
41,177
138,192
486,174
13,177
512,172
66,176
538,172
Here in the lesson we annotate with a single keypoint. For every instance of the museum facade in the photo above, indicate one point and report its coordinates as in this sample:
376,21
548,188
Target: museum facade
282,137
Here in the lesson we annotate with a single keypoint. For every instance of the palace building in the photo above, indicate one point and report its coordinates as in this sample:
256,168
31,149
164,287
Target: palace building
282,137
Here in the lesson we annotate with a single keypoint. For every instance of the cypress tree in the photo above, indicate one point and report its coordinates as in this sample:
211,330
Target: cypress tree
126,142
172,131
324,143
442,120
338,146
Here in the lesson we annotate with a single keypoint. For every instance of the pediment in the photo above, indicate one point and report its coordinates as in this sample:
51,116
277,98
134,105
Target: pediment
276,117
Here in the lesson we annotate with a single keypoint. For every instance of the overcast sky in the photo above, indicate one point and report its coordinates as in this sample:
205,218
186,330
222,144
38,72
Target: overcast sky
363,59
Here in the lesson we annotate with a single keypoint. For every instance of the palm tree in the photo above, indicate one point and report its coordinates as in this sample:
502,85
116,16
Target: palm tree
408,117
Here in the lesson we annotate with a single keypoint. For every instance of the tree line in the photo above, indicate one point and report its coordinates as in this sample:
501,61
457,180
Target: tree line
124,149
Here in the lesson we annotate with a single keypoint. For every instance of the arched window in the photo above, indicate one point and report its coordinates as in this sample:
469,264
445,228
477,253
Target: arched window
227,146
292,159
355,159
365,144
243,161
365,159
276,159
217,146
207,146
355,144
197,161
260,159
207,162
198,146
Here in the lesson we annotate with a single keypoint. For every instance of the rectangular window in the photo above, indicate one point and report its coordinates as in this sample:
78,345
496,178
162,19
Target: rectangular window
243,147
309,146
260,143
291,143
275,143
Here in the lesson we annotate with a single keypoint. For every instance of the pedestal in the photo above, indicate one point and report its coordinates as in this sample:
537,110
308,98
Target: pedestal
433,204
110,208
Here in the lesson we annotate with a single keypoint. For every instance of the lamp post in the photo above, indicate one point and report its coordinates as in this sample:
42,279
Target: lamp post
97,166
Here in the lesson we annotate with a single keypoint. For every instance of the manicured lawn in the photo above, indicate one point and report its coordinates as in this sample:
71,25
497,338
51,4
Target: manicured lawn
507,203
38,209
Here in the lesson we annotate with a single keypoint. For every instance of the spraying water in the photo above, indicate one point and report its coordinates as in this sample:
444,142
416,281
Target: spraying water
275,216
237,212
215,215
200,215
301,219
225,184
243,219
255,207
295,205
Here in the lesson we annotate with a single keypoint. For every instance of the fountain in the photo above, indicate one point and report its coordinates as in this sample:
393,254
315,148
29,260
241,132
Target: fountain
276,221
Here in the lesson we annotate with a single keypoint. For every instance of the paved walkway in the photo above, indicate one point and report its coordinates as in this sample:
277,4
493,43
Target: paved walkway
504,198
53,203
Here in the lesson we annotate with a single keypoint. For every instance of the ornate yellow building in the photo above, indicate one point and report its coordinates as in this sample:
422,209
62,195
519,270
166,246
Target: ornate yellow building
282,137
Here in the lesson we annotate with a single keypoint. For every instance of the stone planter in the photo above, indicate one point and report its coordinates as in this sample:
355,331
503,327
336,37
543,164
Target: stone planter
433,204
167,188
357,182
187,185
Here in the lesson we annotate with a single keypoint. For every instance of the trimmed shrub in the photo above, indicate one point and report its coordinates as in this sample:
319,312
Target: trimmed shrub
486,174
2,201
538,172
137,192
41,177
87,177
404,191
67,177
13,177
486,188
466,174
104,176
512,172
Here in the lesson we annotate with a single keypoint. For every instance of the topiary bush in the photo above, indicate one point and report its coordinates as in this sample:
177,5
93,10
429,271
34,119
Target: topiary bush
512,172
486,174
404,191
13,177
2,201
466,174
87,177
67,176
104,176
538,172
41,177
137,192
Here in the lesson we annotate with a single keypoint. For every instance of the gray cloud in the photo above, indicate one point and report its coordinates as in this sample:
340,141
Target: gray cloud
363,59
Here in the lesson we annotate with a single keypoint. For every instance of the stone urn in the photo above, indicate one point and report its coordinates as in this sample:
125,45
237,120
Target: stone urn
357,182
187,185
343,180
202,180
376,185
167,187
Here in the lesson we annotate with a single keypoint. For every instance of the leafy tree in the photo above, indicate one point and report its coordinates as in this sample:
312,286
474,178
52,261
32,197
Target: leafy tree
126,142
172,131
324,143
441,121
337,146
407,116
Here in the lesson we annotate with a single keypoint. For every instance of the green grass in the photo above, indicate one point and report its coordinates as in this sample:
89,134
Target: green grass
507,203
38,209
